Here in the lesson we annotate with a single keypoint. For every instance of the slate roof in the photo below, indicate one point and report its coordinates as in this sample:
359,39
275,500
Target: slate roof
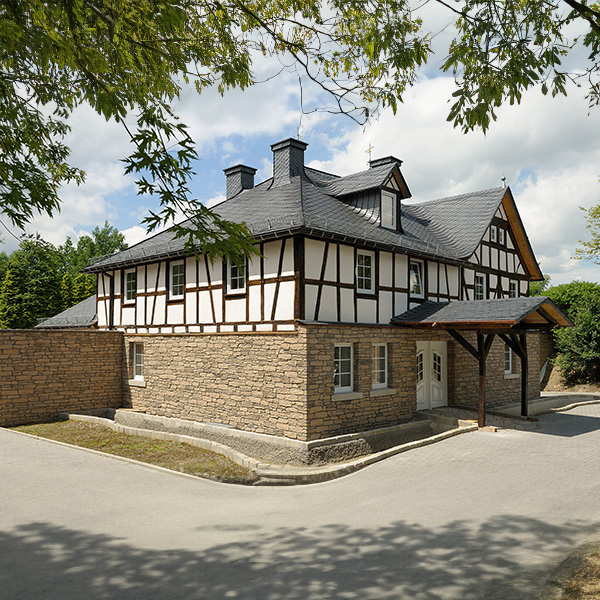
319,204
506,311
81,315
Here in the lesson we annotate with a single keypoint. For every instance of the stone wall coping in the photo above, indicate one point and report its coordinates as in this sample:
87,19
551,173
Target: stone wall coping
188,334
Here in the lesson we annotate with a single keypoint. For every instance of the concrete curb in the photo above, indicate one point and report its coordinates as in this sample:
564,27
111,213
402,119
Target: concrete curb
554,587
271,474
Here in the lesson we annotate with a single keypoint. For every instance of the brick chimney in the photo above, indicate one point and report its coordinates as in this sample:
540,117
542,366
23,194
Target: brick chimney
288,160
239,177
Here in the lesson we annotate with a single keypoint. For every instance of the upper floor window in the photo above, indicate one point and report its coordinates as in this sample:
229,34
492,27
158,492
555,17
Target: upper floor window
343,374
236,278
512,290
130,285
380,366
388,210
501,236
365,271
417,289
176,279
493,234
479,287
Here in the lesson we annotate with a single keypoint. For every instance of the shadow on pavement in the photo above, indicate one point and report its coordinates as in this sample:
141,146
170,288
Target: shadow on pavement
499,559
566,424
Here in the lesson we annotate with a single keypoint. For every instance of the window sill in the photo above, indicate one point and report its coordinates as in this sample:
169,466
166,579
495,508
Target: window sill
512,375
137,383
382,392
339,396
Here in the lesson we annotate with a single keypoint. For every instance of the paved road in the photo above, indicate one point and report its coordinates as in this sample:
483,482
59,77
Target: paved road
479,516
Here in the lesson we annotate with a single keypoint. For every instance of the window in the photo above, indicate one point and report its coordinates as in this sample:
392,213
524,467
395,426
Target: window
416,279
342,371
130,285
177,280
236,278
501,236
493,234
380,366
138,361
512,290
508,360
388,210
365,263
479,287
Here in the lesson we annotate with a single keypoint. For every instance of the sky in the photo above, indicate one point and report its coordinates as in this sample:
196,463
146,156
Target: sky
548,149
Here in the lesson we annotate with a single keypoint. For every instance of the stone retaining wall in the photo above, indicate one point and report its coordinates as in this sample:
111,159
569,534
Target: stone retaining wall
43,372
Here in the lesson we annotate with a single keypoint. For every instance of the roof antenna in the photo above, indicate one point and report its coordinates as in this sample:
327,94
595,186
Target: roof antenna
503,182
298,136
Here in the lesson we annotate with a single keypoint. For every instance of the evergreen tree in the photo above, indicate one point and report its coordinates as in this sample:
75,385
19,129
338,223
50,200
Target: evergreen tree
14,313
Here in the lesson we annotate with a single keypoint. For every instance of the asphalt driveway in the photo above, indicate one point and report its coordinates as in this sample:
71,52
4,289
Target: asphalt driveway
480,516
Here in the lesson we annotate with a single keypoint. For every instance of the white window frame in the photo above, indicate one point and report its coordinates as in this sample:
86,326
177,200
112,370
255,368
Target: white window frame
376,369
390,221
513,289
362,279
420,272
180,284
127,298
483,287
138,361
508,360
493,234
337,360
501,236
236,278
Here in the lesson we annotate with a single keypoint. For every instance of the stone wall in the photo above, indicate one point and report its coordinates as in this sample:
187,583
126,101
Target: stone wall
252,381
500,389
332,414
43,372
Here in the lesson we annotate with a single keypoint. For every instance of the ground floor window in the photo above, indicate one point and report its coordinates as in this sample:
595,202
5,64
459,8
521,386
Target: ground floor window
343,372
508,360
380,366
138,360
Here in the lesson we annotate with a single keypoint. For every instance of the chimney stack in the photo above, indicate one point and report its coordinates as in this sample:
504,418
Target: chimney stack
379,162
239,177
288,160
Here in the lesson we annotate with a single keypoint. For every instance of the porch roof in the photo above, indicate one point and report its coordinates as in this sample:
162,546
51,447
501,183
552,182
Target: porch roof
538,312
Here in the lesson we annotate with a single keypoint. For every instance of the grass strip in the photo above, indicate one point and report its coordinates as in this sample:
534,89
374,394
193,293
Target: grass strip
176,456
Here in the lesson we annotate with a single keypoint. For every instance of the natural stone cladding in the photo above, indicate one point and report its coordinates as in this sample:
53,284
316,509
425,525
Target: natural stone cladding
251,381
43,372
282,383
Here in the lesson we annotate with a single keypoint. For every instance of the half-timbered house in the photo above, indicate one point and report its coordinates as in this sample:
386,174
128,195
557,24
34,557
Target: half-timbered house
330,331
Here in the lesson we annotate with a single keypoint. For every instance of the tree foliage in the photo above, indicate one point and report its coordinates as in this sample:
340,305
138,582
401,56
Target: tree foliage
578,348
42,280
590,249
120,56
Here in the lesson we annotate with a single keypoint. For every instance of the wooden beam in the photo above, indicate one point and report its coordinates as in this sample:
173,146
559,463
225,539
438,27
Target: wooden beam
524,375
464,343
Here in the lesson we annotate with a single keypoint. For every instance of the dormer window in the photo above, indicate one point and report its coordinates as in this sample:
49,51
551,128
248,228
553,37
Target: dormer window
388,210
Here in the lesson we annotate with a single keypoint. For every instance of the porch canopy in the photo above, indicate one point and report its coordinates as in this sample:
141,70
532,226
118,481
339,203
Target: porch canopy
509,318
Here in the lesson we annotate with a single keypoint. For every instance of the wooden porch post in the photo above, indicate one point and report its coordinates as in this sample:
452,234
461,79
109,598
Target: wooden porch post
481,358
524,375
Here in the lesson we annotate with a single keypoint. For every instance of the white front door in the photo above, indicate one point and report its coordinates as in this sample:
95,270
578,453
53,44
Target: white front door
431,375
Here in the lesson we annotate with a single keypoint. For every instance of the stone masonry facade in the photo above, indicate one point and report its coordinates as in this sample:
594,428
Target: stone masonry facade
43,372
252,381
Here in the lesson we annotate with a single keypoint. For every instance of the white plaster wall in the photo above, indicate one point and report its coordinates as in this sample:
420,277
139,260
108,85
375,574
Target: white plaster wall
269,296
285,301
235,310
190,272
271,260
313,258
205,314
128,316
254,302
385,307
310,302
151,283
401,266
385,268
432,268
328,310
401,303
454,279
140,317
159,310
175,314
190,307
366,310
347,264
